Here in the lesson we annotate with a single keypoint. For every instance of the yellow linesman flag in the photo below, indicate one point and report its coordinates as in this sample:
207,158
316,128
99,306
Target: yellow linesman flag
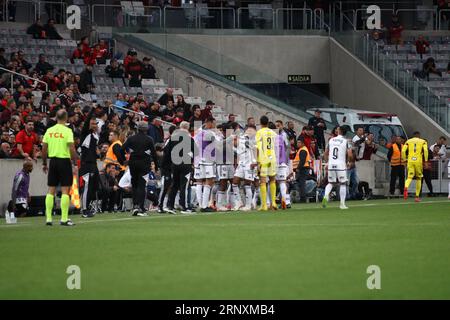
74,194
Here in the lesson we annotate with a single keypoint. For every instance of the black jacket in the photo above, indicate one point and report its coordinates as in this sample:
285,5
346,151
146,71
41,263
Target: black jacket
148,72
179,137
141,148
43,67
164,99
89,141
52,33
318,131
86,82
115,72
36,31
107,182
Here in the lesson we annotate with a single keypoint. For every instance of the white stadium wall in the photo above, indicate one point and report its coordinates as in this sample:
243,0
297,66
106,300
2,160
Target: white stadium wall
253,59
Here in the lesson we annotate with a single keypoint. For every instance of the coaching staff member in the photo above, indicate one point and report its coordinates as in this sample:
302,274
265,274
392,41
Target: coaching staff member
88,169
142,154
180,153
58,145
166,172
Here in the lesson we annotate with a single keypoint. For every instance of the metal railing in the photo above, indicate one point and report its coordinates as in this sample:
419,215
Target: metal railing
200,17
440,18
115,16
195,17
261,18
359,13
13,73
420,16
29,4
404,81
304,18
54,10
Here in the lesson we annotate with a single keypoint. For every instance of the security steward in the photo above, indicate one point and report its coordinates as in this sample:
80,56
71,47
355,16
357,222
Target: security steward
302,166
116,156
142,153
88,169
58,145
397,165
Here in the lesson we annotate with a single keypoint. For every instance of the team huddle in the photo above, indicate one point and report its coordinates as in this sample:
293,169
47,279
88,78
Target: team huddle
257,161
217,163
246,157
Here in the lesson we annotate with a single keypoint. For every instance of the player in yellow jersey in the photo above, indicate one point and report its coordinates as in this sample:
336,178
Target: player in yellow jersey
415,150
267,162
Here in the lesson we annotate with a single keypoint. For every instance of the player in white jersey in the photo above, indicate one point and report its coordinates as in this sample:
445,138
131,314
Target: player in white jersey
204,163
337,153
246,169
225,164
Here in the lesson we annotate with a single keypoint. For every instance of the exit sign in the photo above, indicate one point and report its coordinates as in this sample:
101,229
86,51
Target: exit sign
299,78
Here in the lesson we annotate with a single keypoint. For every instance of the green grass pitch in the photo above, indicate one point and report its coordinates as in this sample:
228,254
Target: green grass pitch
303,253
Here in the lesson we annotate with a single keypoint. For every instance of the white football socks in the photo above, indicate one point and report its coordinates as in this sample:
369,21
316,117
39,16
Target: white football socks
283,189
328,189
343,193
199,194
205,196
248,196
236,194
220,198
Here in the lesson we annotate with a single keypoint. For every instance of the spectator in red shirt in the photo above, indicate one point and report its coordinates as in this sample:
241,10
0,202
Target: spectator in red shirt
370,147
206,113
77,53
179,116
6,97
422,46
310,142
395,31
26,139
130,54
85,49
7,111
134,71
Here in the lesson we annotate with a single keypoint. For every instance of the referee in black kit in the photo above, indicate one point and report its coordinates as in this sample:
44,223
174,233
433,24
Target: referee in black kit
88,169
142,154
180,153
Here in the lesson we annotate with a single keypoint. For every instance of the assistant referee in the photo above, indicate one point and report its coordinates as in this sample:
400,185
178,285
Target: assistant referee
58,145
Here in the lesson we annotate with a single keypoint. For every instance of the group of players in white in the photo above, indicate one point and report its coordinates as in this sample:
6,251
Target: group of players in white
230,159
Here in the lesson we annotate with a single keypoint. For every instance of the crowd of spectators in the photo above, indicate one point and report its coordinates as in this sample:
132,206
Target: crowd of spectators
24,120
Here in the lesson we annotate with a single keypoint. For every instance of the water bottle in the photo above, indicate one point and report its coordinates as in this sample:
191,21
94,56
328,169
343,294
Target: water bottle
7,217
12,218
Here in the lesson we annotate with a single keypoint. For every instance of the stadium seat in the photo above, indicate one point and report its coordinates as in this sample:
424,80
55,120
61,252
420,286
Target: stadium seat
441,66
177,91
194,100
147,91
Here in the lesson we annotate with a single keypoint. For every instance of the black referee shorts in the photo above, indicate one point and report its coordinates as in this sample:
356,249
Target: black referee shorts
60,173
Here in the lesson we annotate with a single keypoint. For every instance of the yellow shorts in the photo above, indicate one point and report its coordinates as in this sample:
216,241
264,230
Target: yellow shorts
415,170
268,169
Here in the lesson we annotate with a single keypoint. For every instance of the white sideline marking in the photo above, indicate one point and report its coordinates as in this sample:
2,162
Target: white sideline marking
347,212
